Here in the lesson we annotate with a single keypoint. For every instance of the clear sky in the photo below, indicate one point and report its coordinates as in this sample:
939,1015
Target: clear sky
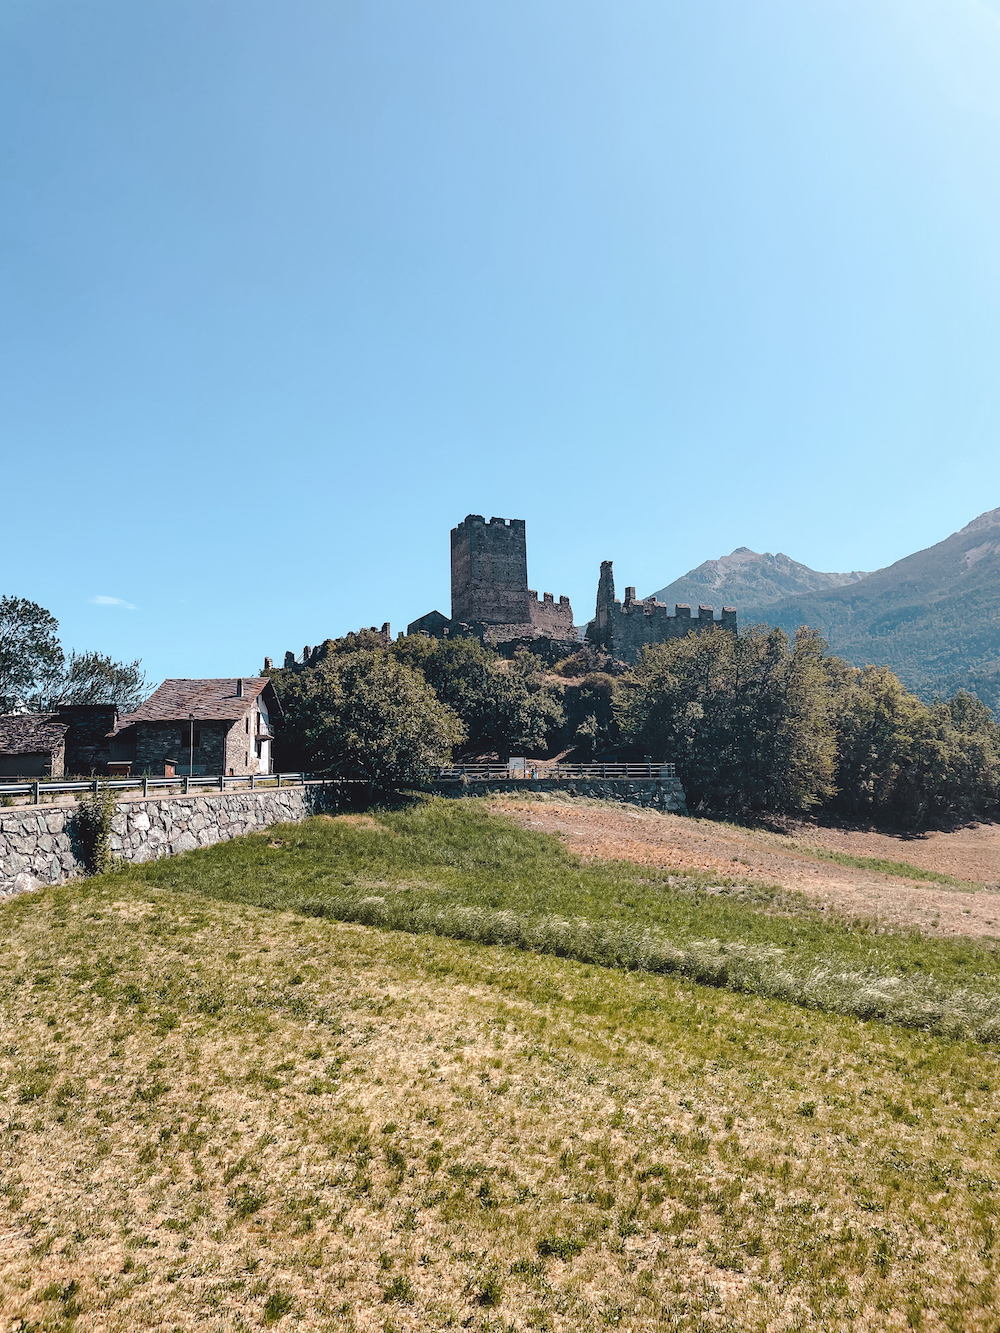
287,289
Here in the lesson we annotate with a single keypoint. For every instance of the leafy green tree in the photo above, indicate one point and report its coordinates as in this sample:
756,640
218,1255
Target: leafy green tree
590,716
905,762
29,649
93,678
505,706
366,715
748,719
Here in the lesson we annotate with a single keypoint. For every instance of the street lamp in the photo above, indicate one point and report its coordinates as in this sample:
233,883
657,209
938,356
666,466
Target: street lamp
191,745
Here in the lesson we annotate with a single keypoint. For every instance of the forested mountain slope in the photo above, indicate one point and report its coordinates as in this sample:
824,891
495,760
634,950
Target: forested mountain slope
934,616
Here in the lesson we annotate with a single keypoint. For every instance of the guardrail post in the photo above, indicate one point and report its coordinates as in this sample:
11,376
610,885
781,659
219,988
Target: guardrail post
252,776
187,783
97,786
279,779
145,784
34,794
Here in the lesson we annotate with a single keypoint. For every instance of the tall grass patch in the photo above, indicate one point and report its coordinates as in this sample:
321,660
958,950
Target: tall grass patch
454,869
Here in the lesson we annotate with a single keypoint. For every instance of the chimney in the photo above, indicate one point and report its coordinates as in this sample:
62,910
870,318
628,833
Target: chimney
239,688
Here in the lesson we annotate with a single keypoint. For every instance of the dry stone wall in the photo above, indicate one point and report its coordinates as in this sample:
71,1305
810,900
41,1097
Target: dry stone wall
665,794
38,845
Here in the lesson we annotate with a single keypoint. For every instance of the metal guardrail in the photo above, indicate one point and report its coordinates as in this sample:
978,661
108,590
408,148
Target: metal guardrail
37,787
560,771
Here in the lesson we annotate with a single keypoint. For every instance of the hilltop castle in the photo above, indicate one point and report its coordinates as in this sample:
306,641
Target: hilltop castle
491,601
490,597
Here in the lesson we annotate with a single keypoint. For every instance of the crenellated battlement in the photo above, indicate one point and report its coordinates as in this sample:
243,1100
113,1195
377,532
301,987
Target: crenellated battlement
623,628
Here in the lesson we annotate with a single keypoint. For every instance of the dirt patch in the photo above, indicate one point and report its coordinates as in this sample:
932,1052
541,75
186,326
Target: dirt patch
357,821
605,831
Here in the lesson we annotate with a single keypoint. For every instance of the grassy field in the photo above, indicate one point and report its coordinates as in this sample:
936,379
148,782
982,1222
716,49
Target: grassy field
223,1108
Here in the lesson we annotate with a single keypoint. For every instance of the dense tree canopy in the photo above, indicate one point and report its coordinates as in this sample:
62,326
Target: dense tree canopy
756,723
506,706
366,715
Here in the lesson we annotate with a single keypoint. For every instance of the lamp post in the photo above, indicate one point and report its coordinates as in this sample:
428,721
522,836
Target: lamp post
190,745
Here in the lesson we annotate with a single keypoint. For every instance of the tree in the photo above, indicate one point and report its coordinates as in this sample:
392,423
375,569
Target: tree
590,717
748,719
504,705
905,762
29,649
92,678
366,715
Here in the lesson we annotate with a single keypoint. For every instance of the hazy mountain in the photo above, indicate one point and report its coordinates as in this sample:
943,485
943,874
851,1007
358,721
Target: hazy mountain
749,581
934,617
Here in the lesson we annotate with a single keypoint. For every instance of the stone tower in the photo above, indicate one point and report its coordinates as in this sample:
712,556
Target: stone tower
489,572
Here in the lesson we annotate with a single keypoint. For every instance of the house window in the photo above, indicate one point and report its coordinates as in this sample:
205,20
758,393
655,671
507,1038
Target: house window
248,725
246,761
186,737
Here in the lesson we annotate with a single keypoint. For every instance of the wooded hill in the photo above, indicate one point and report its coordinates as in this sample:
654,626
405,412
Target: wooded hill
933,617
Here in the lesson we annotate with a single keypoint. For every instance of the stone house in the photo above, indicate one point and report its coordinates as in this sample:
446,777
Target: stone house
32,745
200,727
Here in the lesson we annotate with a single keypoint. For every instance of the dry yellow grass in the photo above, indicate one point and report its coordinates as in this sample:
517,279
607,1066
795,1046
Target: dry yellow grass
217,1117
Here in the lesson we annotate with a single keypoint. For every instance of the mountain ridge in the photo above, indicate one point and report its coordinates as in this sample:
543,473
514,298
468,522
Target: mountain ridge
932,616
753,577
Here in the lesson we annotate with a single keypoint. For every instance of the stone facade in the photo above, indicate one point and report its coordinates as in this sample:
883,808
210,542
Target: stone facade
489,571
622,629
37,843
231,720
88,745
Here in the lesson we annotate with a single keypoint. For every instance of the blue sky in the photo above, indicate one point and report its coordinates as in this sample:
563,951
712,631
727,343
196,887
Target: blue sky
287,290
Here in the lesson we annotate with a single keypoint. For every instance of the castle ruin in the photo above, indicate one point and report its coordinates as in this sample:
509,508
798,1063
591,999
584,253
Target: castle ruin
622,629
490,597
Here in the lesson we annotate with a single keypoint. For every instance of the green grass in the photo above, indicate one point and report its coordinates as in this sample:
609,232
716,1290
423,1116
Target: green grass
451,868
219,1116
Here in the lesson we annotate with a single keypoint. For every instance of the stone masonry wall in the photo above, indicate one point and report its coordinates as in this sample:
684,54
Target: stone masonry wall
665,794
37,846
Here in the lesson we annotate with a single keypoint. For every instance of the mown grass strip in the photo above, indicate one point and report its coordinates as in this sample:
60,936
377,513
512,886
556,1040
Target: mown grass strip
911,1001
456,870
901,869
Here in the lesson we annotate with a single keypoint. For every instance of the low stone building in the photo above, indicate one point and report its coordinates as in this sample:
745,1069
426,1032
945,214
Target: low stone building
200,727
33,745
622,629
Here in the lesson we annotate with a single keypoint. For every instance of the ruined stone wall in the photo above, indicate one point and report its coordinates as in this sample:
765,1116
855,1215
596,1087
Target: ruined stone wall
551,618
622,629
38,846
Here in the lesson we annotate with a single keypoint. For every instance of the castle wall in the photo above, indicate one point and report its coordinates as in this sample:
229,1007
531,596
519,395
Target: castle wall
623,629
549,617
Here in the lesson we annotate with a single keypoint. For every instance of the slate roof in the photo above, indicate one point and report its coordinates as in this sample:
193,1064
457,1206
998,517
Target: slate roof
208,700
31,733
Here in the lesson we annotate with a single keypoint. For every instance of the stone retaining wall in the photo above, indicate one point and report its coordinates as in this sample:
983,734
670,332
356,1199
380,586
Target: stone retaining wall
38,843
654,793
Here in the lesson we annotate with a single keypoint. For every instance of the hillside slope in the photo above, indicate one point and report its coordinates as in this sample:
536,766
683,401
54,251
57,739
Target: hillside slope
750,579
218,1116
934,616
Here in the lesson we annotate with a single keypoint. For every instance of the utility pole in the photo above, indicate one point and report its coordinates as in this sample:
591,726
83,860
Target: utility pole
191,745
